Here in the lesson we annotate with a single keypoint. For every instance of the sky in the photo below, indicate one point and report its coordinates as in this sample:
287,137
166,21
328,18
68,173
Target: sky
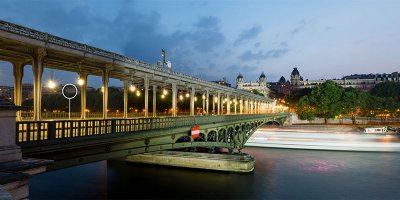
222,38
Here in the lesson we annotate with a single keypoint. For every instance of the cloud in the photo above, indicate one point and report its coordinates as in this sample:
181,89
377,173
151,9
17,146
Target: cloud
300,27
248,35
261,55
209,22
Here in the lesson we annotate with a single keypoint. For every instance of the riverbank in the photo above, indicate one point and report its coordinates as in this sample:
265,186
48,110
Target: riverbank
323,137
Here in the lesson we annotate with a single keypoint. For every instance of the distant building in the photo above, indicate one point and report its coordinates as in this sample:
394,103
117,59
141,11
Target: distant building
260,85
6,92
224,81
281,87
27,91
358,81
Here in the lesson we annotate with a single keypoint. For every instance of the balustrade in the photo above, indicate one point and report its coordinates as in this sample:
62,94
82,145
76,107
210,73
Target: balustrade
34,131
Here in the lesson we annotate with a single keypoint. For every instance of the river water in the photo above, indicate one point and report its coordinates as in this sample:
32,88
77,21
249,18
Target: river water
278,174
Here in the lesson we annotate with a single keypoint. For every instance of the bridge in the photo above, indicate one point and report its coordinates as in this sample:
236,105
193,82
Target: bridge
234,116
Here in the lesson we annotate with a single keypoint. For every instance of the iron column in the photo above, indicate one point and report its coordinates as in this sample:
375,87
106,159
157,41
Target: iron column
18,71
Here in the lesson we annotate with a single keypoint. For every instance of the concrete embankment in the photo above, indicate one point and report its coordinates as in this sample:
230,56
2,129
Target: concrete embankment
220,162
324,138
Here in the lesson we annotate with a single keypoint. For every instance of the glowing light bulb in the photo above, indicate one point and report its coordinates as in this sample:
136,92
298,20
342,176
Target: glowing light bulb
51,84
181,97
102,88
80,81
195,98
162,96
165,92
132,88
203,97
216,98
138,93
187,95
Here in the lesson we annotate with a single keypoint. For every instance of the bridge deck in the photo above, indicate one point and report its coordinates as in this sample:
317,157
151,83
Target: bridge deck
72,142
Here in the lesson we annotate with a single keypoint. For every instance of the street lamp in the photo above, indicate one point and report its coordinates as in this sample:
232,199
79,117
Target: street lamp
51,84
132,88
165,92
80,81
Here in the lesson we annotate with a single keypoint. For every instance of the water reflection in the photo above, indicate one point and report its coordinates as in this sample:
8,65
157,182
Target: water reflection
279,174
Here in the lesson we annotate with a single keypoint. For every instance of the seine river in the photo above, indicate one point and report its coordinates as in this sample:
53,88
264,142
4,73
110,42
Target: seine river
279,174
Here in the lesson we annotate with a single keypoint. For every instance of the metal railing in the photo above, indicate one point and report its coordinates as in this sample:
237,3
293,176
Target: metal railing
34,131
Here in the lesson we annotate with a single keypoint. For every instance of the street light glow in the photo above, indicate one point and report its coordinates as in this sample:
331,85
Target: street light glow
80,81
132,88
51,84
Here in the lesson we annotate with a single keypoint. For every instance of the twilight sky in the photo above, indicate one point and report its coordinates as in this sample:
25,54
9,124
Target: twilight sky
213,39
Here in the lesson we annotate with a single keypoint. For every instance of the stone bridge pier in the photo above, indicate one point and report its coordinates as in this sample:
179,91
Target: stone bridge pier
14,170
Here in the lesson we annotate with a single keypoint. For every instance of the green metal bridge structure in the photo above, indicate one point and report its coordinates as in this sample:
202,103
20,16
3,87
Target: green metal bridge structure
76,142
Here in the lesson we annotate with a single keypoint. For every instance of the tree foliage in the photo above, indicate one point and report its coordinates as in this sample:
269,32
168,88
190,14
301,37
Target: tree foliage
294,97
387,89
305,109
326,98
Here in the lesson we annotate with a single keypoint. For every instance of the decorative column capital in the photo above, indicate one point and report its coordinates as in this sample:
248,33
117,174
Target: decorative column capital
40,52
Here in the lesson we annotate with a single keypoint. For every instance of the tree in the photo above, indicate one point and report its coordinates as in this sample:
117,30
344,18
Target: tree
353,102
294,97
387,89
305,110
325,100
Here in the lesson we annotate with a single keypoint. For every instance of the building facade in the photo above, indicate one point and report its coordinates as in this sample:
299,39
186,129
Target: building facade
260,85
363,82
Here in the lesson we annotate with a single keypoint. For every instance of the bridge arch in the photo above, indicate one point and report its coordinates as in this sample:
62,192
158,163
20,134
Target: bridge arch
212,136
273,122
222,133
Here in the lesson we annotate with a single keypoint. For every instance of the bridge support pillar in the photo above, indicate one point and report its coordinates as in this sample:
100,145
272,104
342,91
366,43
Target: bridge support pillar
105,79
192,95
207,101
228,104
251,107
241,105
154,101
222,105
83,76
235,104
14,171
213,105
126,89
18,71
146,97
174,96
218,103
203,101
37,68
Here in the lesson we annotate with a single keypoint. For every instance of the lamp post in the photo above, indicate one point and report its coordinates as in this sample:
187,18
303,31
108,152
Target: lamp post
163,57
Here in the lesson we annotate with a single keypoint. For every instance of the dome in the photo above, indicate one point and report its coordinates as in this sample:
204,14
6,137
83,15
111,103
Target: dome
282,80
240,76
295,72
262,75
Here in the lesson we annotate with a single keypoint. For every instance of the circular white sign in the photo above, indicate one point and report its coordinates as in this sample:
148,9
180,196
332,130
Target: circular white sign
76,91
